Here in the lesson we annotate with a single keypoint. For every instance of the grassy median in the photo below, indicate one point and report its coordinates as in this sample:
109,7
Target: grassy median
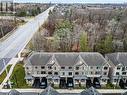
18,76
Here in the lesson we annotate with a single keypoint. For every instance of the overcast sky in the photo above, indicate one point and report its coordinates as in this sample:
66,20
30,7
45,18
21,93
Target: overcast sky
74,1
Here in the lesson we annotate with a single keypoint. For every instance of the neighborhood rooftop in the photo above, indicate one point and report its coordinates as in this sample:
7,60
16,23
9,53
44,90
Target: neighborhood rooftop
118,58
67,59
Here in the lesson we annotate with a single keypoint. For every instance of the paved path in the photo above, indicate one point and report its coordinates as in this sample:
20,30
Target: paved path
14,61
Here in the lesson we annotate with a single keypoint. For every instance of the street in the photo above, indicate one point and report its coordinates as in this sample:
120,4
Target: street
14,44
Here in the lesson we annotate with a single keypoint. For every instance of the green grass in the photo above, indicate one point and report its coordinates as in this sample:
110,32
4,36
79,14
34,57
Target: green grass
18,76
3,75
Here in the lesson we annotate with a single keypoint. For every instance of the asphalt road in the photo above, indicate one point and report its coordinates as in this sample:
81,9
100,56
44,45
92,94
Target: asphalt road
20,38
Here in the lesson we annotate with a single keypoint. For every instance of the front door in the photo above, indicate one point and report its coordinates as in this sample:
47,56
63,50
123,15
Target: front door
62,83
88,83
36,83
70,83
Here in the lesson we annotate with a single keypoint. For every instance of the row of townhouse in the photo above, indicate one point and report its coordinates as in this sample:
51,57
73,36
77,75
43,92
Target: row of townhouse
66,69
118,69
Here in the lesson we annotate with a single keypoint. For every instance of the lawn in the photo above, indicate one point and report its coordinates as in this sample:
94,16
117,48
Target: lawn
3,75
18,76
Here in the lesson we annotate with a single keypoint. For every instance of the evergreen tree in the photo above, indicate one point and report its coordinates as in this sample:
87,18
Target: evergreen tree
83,42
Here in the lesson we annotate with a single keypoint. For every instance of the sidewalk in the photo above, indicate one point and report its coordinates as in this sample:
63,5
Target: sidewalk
13,62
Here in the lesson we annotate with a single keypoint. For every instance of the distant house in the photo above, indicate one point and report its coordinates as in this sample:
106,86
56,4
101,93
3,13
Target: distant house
90,91
66,69
49,91
118,70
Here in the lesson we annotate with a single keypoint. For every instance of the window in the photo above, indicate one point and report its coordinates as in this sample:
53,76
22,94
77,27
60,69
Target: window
97,73
105,68
105,73
76,73
50,73
35,67
54,68
43,72
97,67
70,73
91,73
42,67
55,73
123,73
115,80
77,68
62,67
28,73
103,80
70,67
37,72
63,73
49,67
82,73
118,68
91,67
117,73
27,68
82,68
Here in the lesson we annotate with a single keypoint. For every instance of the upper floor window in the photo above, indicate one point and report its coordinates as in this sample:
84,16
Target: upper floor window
123,73
42,67
91,72
27,68
76,73
105,73
118,68
55,73
35,67
54,68
43,72
50,73
63,73
70,73
82,68
97,67
123,68
28,73
105,68
38,72
117,73
77,68
70,67
91,67
62,67
49,67
97,73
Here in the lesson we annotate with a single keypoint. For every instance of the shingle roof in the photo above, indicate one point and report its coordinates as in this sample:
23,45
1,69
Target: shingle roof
90,91
118,58
14,92
40,58
49,91
93,59
67,59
